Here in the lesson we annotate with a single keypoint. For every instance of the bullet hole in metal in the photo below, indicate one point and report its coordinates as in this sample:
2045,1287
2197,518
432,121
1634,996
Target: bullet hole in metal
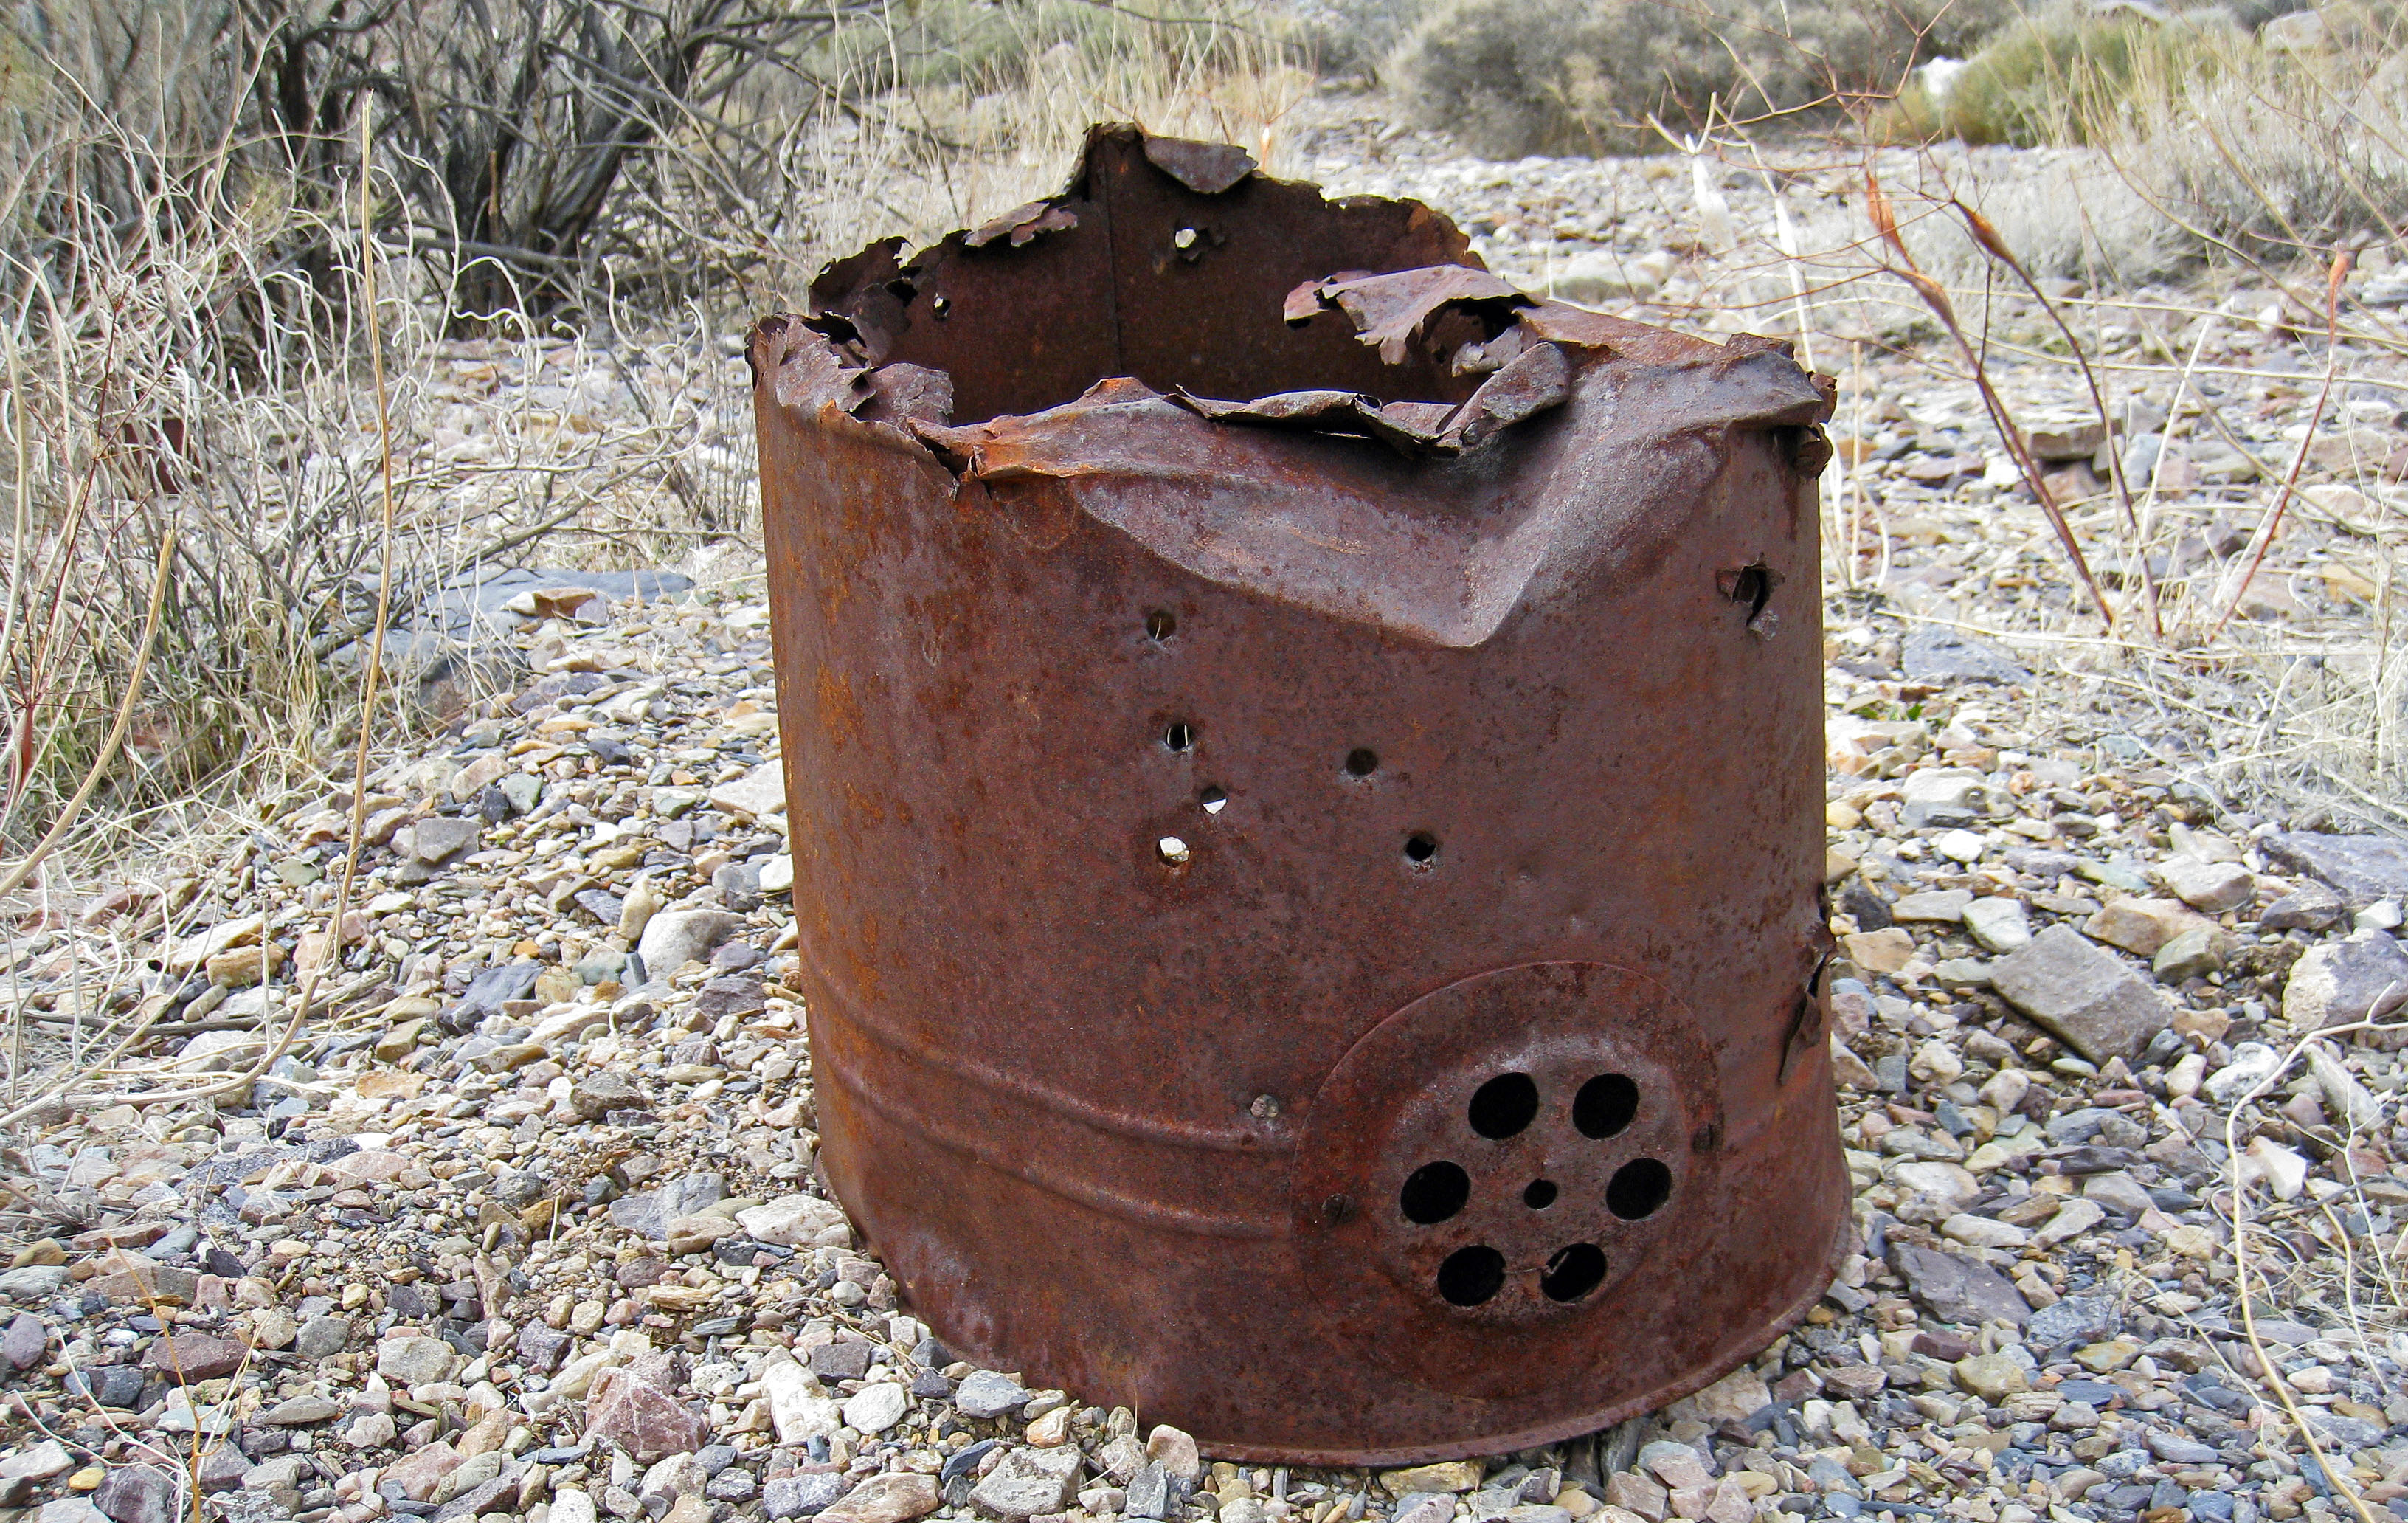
1751,586
1421,848
1539,1194
1161,625
1471,1275
1504,1106
1213,799
1574,1272
1605,1106
942,307
1173,851
1183,240
1179,736
1638,1187
1266,1107
1338,1210
1362,762
1434,1192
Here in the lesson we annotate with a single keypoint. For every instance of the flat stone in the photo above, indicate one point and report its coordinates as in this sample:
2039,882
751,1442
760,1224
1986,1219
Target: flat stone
2094,1002
801,1496
26,1341
1998,923
1029,1483
1958,1289
1947,905
69,1510
2118,1192
798,1409
416,1361
321,1337
597,1095
651,1212
1735,1398
674,937
2311,906
2141,926
758,792
32,1282
2364,978
2194,954
2362,868
641,1418
41,1462
791,1221
300,1410
896,1498
1993,1377
492,1495
223,1469
117,1385
138,1494
1447,1475
876,1407
439,837
1982,1232
984,1394
1929,653
2072,1220
192,1357
2213,887
2076,1319
421,1471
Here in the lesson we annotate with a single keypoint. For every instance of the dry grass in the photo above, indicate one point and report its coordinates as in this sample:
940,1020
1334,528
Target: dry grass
185,345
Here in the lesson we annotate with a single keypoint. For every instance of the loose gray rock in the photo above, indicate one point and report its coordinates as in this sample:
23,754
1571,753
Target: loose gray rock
597,1095
1958,1289
1029,1483
1930,654
25,1340
2362,868
322,1337
2311,906
652,1211
2083,995
983,1394
801,1496
138,1494
2076,1319
674,937
32,1282
439,837
2363,979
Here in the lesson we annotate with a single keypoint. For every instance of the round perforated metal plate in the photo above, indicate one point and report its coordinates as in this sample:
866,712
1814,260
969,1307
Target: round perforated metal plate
1485,1166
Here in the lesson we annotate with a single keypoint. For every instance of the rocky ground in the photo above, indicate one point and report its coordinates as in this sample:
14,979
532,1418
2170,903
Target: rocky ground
525,1224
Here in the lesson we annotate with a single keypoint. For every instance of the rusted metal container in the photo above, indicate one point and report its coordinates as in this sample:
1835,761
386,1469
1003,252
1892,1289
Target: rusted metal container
1304,771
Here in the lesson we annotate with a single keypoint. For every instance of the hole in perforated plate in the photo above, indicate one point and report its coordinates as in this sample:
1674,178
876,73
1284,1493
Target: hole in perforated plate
1434,1192
1638,1188
1472,1276
1574,1272
1605,1106
1504,1106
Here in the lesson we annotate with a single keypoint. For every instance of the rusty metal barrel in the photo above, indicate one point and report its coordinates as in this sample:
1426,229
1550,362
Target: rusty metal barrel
1304,771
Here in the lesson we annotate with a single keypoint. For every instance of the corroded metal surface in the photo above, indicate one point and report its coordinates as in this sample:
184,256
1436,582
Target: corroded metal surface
1304,774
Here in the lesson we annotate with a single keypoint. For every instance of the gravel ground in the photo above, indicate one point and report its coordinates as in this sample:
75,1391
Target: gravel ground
527,1226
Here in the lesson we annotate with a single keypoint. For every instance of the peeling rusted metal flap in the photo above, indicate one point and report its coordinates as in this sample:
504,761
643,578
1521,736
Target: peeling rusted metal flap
1133,271
1438,551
